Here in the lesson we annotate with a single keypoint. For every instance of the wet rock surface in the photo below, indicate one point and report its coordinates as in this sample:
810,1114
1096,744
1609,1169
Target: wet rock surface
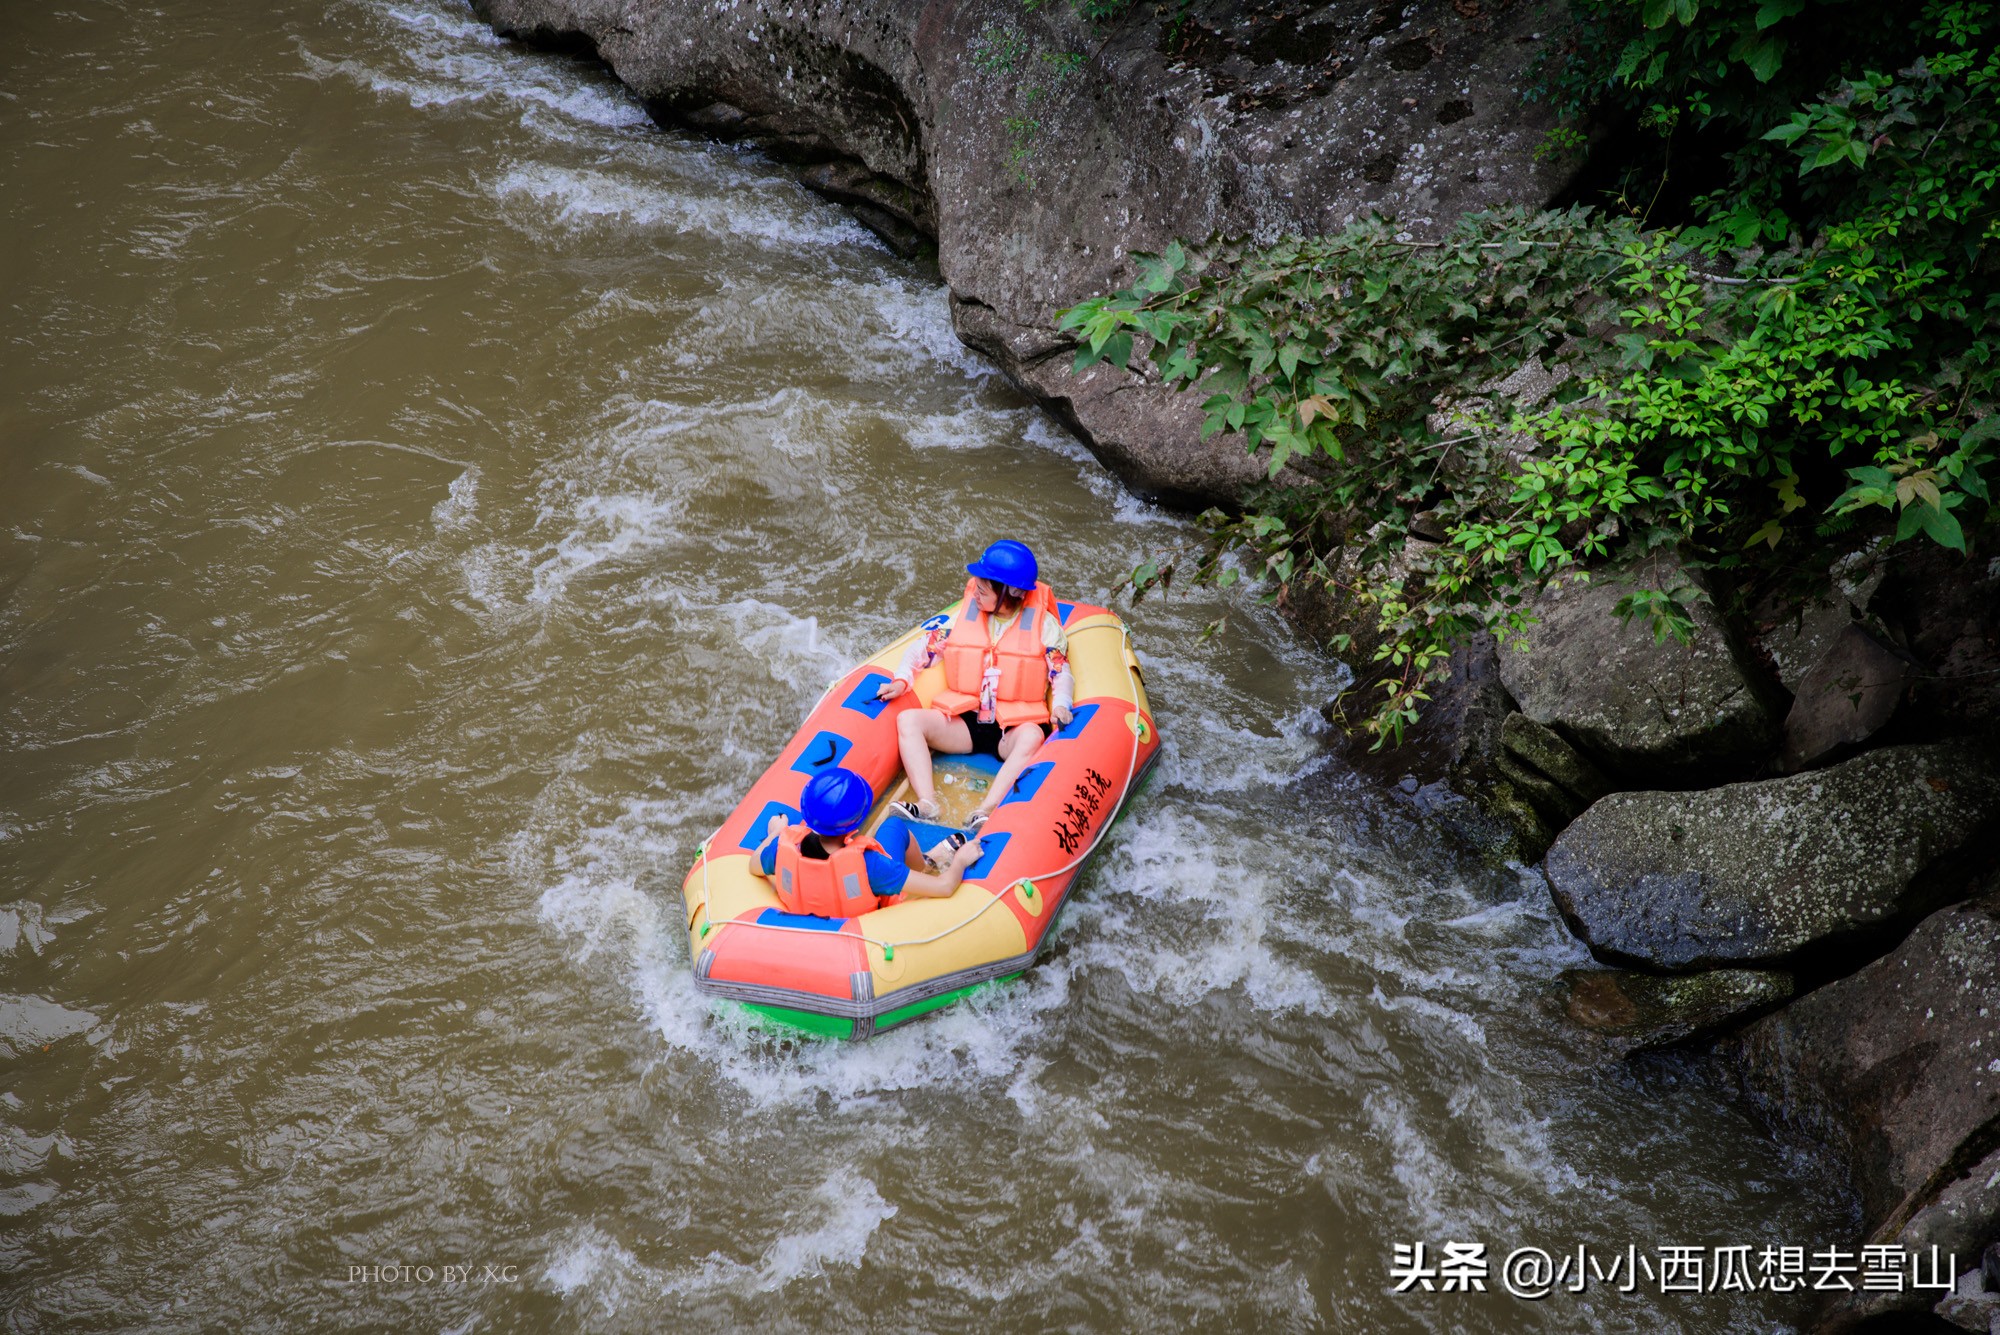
1456,732
1472,764
1651,712
1801,869
1636,1011
1897,1068
1975,1304
1039,151
1558,780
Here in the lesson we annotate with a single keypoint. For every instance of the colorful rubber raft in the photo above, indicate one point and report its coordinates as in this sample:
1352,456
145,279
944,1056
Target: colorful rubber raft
852,977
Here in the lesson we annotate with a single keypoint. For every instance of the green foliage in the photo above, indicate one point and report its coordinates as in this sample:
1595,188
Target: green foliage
1100,11
1728,61
1005,49
998,48
1817,347
1563,141
1021,132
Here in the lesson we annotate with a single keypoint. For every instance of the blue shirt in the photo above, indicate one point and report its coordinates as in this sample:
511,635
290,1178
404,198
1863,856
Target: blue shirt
886,875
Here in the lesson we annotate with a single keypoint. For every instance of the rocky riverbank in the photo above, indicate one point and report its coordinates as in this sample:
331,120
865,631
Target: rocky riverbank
1780,834
1783,835
1035,153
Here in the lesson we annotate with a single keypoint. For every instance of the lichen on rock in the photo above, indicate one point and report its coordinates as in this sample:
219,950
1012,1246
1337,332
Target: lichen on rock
1637,1012
1897,1070
1769,873
1647,709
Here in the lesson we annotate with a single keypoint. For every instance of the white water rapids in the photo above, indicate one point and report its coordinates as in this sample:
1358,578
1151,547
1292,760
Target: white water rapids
432,495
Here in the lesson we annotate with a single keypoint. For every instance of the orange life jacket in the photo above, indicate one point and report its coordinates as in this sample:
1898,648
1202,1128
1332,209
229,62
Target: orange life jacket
835,886
1022,692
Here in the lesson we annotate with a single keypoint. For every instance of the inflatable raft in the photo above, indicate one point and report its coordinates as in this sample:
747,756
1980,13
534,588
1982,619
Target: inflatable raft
852,977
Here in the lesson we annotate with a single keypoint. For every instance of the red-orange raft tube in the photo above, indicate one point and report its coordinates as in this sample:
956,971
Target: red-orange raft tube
852,977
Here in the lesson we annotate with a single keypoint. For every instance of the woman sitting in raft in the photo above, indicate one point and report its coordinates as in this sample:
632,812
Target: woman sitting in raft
1006,675
826,869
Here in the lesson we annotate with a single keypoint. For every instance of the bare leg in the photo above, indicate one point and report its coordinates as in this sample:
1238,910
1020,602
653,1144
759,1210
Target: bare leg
922,731
1017,748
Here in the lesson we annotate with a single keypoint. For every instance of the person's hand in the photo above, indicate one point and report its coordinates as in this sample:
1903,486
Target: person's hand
774,827
1062,715
893,688
967,854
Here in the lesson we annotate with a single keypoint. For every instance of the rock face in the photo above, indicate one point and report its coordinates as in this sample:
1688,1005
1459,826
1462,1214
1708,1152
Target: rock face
1653,713
1510,786
1844,698
1782,871
1461,724
1636,1012
1948,610
1479,768
1040,151
1558,781
1898,1069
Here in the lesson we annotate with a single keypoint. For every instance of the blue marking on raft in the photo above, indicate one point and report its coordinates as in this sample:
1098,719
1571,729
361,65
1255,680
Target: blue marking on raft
780,918
1029,783
755,835
990,846
862,698
1077,723
824,751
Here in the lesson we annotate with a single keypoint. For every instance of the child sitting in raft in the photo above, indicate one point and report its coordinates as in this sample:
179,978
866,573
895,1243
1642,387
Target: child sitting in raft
825,868
1006,675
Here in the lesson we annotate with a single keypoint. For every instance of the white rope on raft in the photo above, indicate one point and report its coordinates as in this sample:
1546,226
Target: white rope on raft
888,948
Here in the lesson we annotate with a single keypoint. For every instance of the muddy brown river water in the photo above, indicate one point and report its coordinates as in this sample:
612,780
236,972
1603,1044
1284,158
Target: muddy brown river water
428,496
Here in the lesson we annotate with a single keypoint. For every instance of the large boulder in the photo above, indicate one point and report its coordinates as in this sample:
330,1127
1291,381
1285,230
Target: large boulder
1040,151
1946,610
1652,712
1476,766
1637,1012
1556,779
1897,1069
1845,698
1805,869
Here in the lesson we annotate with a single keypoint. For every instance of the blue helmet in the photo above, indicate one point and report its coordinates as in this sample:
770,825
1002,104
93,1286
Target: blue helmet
1007,562
836,802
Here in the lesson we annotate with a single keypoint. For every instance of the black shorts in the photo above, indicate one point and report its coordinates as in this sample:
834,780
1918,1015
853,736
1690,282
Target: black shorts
985,736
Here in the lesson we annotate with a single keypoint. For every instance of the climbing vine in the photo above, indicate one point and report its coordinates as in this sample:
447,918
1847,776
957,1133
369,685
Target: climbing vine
1814,349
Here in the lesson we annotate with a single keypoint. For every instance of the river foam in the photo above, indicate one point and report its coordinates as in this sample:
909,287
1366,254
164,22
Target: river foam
443,495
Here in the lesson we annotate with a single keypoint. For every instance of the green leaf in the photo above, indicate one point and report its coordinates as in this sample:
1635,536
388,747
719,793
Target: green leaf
1155,274
1118,349
1770,533
1942,526
1777,10
1764,56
